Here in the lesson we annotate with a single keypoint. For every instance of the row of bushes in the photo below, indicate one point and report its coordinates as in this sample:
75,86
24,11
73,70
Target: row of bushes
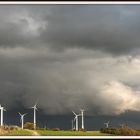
58,129
30,125
126,131
9,127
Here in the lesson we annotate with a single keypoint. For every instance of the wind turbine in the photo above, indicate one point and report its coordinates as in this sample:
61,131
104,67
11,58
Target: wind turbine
2,109
22,119
35,108
82,114
107,124
76,119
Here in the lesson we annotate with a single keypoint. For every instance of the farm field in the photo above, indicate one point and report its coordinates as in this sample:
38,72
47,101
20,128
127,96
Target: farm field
27,132
71,133
17,133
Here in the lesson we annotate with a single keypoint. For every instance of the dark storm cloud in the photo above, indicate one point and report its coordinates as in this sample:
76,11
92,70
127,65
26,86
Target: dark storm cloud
10,35
62,56
69,80
113,28
19,25
110,28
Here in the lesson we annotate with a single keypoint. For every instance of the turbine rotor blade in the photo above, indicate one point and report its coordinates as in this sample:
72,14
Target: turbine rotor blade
25,114
82,110
19,113
36,104
74,113
31,107
79,114
34,107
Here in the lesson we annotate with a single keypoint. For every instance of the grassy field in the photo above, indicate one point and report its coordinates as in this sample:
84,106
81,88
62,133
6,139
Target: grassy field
27,132
18,133
71,133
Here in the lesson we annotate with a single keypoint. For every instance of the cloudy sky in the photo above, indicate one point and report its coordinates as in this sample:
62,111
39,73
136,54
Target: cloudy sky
68,57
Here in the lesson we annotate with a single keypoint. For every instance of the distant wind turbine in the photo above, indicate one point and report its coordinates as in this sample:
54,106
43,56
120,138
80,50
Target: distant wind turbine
107,124
82,114
2,109
76,119
22,119
35,108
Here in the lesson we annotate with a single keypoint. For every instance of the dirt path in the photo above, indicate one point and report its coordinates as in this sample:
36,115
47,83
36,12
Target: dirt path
34,133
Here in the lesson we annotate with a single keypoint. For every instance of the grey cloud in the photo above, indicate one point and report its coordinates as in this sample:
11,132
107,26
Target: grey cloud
110,28
19,25
62,56
81,81
106,28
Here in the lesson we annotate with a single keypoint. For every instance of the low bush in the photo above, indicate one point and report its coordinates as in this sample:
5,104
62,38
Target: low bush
126,131
84,130
29,125
55,129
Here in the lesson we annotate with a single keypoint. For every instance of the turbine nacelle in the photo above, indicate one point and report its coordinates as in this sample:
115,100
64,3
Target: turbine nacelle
34,107
22,116
2,108
107,124
82,110
76,115
122,125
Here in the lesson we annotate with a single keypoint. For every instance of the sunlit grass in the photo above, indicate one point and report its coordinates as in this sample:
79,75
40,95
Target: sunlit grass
71,133
18,133
26,132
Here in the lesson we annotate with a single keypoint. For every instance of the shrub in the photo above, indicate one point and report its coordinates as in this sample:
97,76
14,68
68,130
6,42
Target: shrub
29,125
84,130
13,127
55,129
121,131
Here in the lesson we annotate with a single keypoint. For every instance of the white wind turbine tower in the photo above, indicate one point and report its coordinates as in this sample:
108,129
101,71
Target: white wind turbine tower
2,109
35,108
107,124
82,114
76,119
22,119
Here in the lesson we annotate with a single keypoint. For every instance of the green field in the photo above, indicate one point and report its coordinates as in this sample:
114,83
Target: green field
18,133
53,133
71,133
